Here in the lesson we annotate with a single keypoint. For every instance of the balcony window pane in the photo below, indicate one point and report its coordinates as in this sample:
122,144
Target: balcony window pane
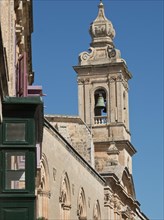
15,132
15,170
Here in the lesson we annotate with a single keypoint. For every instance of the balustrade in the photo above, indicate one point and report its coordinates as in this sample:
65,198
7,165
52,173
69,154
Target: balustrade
100,120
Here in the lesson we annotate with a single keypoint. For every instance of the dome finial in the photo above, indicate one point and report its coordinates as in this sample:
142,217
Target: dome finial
101,3
101,28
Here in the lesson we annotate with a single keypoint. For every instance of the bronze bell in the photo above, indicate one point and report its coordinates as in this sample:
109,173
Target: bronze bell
100,102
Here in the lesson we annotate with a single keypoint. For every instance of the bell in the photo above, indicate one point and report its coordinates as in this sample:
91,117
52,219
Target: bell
100,102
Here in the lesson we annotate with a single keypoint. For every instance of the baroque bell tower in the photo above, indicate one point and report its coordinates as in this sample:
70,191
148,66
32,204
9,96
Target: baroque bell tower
103,97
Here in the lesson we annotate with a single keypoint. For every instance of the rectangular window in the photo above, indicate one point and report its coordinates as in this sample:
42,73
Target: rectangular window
15,131
15,170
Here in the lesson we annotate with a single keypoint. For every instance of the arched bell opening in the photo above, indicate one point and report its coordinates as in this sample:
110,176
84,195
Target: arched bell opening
100,108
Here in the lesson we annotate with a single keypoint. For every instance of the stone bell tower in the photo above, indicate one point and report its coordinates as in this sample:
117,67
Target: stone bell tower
103,96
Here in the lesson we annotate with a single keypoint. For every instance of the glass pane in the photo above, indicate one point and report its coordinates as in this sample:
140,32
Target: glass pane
15,131
15,179
15,170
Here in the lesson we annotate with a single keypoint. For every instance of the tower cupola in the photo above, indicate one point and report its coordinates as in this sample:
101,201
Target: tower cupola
101,29
102,49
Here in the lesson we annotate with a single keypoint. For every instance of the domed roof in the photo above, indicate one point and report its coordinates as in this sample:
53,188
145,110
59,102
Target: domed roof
101,29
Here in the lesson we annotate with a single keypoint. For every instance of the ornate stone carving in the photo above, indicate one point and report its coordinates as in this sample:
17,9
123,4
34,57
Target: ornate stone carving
83,81
126,211
64,197
112,79
100,163
112,149
81,210
119,78
117,204
44,193
85,56
96,211
101,29
107,198
113,53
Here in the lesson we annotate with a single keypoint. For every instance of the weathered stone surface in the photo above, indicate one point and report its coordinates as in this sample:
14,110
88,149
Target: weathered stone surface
75,131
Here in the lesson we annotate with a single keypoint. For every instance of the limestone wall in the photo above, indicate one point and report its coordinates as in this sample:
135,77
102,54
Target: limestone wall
76,132
7,20
63,160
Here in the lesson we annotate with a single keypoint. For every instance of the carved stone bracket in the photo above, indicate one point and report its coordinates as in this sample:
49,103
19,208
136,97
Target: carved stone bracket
128,213
112,79
83,81
107,198
44,193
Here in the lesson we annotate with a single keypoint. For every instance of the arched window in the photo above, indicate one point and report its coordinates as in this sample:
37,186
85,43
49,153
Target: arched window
96,211
65,197
100,108
81,206
43,190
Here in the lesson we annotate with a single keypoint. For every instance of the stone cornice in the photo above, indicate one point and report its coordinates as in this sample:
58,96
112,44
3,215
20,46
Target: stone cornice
125,143
116,186
120,64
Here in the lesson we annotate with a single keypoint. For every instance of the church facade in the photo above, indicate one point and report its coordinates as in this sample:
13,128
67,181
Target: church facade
83,164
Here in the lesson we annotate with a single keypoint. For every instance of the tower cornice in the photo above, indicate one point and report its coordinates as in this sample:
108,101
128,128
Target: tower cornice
119,66
126,144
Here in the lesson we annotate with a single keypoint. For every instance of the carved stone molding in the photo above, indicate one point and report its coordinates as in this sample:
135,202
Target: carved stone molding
108,198
81,210
89,202
128,213
83,81
44,193
112,79
54,173
73,189
119,78
117,204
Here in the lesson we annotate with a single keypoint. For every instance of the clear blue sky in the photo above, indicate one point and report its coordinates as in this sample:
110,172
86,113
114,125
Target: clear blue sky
61,33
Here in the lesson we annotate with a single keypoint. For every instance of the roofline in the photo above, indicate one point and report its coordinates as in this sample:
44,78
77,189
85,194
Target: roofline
75,153
67,118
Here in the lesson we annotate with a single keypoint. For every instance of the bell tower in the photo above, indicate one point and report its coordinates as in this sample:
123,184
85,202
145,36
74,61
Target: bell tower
103,96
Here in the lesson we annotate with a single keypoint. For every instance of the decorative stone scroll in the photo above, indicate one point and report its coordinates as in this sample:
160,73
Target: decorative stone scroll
85,56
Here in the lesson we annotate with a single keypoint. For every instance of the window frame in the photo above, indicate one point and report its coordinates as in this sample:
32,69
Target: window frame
29,128
29,173
6,170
